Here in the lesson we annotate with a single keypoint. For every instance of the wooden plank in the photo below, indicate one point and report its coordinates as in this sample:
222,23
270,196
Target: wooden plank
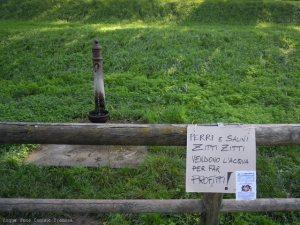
99,206
212,205
129,134
143,206
261,205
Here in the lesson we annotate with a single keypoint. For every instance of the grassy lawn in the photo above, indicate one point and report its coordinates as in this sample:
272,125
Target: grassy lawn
157,71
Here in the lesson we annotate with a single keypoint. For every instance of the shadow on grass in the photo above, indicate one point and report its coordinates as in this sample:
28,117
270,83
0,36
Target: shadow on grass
243,12
216,11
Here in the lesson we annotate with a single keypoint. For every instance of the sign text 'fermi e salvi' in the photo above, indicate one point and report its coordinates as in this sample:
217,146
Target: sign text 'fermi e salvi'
215,153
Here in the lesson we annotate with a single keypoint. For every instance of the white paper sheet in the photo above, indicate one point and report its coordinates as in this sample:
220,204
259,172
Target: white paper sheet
245,185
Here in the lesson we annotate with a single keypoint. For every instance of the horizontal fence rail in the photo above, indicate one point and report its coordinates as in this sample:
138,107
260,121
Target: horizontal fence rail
129,134
143,206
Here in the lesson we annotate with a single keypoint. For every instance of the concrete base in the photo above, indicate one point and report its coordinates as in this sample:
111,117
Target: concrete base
88,155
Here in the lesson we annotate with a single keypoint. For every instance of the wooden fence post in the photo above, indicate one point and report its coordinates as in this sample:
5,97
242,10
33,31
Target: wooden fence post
212,205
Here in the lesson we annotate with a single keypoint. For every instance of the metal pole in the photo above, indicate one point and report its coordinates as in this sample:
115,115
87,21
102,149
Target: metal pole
99,114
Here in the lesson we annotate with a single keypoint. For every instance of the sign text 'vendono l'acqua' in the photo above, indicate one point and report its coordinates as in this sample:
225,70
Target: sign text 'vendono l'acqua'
215,153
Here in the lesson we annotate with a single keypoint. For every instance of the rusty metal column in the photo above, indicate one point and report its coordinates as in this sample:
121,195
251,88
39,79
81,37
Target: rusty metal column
99,114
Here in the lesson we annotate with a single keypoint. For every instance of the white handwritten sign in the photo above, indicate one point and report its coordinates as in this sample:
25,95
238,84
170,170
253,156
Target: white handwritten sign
215,153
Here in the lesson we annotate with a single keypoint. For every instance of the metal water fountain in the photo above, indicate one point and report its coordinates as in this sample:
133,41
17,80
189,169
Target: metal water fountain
99,114
113,156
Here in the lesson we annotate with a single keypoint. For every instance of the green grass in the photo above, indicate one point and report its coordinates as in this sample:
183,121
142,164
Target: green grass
164,69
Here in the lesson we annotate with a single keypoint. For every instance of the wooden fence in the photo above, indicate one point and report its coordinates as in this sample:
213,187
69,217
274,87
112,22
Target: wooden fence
140,134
